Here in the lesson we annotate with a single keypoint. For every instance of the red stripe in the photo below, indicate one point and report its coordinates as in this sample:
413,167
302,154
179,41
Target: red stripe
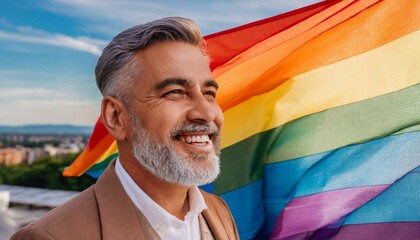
99,132
222,49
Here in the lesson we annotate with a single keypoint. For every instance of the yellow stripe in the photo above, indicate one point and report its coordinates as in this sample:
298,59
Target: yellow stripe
386,69
108,152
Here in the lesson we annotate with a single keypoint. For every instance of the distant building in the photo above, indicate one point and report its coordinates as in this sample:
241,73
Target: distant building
18,138
12,156
63,149
34,154
20,154
26,148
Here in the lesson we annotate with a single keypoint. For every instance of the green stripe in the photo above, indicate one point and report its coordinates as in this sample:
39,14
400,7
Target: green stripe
393,113
354,123
409,129
102,165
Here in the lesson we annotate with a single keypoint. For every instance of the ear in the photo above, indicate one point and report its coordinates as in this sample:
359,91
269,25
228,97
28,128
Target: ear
115,118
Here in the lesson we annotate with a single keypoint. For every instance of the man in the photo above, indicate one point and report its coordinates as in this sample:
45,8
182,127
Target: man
159,104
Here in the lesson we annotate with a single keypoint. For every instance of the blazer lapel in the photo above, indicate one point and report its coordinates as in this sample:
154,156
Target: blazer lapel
205,231
119,219
214,224
147,229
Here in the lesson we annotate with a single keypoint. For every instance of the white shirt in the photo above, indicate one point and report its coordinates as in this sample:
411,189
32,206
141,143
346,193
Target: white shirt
166,225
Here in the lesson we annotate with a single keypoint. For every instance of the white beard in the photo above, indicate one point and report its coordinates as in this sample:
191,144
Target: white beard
164,161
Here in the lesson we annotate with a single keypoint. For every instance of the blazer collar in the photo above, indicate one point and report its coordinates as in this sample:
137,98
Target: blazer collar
214,224
119,219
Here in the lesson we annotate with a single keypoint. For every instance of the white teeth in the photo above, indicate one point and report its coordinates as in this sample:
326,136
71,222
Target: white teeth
195,139
205,138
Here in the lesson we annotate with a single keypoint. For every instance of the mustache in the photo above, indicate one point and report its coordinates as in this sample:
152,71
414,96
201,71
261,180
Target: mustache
195,127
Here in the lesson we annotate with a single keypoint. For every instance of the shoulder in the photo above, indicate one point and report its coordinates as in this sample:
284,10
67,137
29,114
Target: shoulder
74,216
31,232
84,204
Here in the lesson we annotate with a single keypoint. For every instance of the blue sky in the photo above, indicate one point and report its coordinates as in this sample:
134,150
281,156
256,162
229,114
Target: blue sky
49,48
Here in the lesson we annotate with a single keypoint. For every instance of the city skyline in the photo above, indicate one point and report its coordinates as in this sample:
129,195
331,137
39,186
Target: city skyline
49,49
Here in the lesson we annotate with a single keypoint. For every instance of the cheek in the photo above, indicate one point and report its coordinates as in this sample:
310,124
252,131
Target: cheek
163,121
219,117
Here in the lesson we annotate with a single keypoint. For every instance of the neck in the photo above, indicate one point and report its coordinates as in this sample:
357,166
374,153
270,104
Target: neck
171,197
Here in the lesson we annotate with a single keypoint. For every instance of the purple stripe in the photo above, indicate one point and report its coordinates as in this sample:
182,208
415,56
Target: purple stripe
392,230
309,213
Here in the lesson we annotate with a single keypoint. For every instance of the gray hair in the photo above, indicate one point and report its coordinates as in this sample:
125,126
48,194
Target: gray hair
116,71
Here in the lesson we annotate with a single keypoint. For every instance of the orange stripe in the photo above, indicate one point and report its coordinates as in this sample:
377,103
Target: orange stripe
374,27
276,39
88,157
113,148
222,49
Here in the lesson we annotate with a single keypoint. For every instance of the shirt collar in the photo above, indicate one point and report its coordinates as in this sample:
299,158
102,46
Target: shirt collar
155,214
196,200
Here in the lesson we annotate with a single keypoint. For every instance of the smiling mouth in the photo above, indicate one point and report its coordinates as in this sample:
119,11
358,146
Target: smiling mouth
199,139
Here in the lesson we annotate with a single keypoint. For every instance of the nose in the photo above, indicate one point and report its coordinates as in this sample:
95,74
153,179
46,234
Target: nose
203,110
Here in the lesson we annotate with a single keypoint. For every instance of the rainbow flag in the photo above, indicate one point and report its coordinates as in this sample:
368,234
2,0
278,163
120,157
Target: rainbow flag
322,120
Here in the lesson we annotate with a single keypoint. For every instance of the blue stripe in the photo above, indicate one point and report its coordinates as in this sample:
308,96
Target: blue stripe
399,203
95,174
208,188
246,206
377,162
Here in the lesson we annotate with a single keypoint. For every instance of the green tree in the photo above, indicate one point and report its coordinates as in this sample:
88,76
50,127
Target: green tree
45,173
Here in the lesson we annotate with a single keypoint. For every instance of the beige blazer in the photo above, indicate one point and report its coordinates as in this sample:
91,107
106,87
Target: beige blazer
104,211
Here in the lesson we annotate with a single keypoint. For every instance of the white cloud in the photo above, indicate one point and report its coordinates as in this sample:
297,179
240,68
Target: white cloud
63,97
52,104
111,17
54,112
17,84
25,92
211,16
20,75
30,35
23,96
38,105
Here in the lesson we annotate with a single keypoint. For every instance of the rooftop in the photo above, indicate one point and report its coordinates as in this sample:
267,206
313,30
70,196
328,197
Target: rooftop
37,197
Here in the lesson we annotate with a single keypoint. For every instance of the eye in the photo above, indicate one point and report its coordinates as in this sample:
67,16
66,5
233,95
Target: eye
212,94
173,93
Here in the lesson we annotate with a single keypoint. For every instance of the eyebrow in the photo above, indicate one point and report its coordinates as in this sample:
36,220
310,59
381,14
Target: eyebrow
172,81
211,83
182,82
